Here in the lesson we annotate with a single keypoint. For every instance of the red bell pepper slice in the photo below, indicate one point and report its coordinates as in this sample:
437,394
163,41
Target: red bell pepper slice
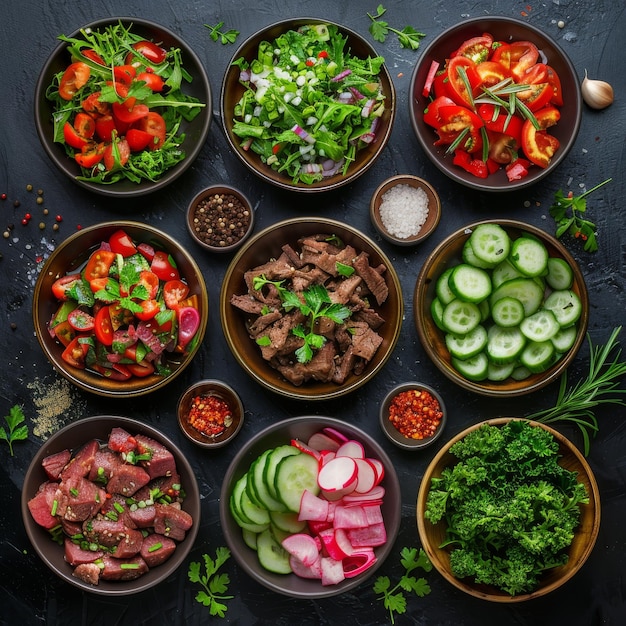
431,114
456,85
476,167
430,78
517,170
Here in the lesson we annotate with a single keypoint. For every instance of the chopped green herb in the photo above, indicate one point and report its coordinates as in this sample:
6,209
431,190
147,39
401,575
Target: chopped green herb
155,547
18,431
225,37
214,585
408,37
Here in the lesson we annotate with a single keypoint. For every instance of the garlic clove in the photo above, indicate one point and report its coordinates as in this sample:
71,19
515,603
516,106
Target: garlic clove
598,94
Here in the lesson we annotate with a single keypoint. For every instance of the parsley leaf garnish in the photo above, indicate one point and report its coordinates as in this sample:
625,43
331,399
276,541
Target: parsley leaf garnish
226,37
215,585
128,279
408,37
17,430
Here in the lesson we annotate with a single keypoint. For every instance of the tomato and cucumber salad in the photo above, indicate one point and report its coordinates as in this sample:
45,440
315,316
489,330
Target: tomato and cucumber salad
492,104
119,103
125,311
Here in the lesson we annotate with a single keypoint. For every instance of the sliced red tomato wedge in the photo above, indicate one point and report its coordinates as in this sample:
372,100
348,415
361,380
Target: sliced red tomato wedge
64,332
150,281
538,145
141,369
164,267
456,120
431,114
90,155
84,125
74,78
99,264
129,111
103,327
92,105
149,308
154,81
137,139
456,85
75,352
122,244
62,285
491,73
154,124
174,291
149,50
116,154
105,126
536,96
80,320
524,55
74,139
477,49
555,83
502,55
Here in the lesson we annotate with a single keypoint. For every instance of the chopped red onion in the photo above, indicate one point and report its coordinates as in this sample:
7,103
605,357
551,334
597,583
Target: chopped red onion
341,76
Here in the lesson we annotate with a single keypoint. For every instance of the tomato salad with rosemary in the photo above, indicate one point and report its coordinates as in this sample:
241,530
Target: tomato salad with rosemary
119,104
125,311
492,104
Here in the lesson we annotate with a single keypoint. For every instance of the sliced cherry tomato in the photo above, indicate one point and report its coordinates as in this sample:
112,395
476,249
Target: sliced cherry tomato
154,124
146,251
456,85
440,84
154,81
61,285
120,316
502,148
92,105
455,120
192,300
536,96
75,352
80,320
99,264
150,281
124,74
105,126
90,155
476,167
149,50
555,82
538,73
164,267
431,114
64,332
138,140
72,138
502,55
117,371
116,154
477,48
149,308
141,370
98,284
103,327
491,73
524,55
84,125
500,122
122,244
74,78
173,292
128,112
538,145
92,55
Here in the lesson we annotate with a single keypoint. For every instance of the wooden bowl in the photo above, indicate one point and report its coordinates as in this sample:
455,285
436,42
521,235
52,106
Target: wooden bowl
432,535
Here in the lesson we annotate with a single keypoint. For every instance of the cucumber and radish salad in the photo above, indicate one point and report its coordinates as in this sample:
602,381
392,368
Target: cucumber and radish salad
313,508
508,308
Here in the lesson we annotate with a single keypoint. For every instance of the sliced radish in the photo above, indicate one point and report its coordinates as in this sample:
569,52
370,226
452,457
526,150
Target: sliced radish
311,571
335,434
329,541
320,441
377,493
312,508
306,449
350,517
332,571
380,469
341,537
366,480
303,547
317,527
338,477
325,456
358,562
368,536
351,448
373,514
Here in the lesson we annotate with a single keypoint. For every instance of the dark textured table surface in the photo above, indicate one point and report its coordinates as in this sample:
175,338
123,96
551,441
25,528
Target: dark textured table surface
592,34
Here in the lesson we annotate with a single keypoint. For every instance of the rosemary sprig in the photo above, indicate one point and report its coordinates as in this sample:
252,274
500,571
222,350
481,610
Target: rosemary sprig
576,404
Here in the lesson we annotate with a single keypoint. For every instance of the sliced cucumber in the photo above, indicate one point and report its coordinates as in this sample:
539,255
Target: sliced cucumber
507,312
502,272
537,356
504,345
526,290
442,287
469,283
469,257
256,476
520,373
436,310
275,457
254,513
565,305
249,538
497,373
560,275
287,522
565,339
235,508
469,345
272,556
294,474
473,369
540,326
460,317
491,243
529,256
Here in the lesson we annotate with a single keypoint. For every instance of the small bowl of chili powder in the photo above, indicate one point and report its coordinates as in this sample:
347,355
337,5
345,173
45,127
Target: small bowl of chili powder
210,413
412,415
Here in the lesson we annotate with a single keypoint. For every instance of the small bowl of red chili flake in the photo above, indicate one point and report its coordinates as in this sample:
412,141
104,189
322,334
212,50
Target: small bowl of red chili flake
210,413
412,415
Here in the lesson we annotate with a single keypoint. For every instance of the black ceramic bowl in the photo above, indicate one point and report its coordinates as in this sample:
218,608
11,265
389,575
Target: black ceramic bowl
232,90
73,437
282,433
196,131
504,29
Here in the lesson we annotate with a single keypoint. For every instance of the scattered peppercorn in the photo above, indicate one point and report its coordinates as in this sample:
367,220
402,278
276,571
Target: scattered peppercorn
16,203
416,414
45,211
29,187
42,225
40,192
58,218
221,220
39,200
4,196
210,415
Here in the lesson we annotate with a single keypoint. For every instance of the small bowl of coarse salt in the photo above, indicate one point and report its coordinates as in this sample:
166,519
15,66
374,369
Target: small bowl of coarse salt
220,218
405,209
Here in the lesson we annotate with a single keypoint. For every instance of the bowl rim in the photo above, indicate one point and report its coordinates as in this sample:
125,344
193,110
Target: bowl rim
219,385
399,440
469,180
191,489
296,392
237,468
399,179
537,381
336,181
145,187
594,496
40,323
205,192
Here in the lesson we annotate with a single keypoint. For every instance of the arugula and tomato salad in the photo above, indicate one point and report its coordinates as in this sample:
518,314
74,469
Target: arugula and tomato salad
119,104
309,105
125,311
492,104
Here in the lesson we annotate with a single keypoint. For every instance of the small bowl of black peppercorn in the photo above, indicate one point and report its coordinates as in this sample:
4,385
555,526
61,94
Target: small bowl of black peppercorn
220,218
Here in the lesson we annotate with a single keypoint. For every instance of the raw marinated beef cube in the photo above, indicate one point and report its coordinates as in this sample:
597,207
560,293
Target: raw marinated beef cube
83,498
156,549
127,480
172,521
80,465
129,545
105,463
87,572
113,570
121,441
161,463
75,555
53,465
41,505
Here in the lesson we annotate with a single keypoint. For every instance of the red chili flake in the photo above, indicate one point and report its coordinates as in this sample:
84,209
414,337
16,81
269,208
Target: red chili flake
39,259
416,414
210,415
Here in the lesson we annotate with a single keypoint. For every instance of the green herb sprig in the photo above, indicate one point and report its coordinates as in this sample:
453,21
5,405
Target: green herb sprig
225,37
576,404
129,277
408,36
315,304
393,597
18,431
215,585
567,211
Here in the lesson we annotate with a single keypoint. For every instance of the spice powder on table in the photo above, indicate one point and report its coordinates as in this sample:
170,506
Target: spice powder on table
416,414
221,220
